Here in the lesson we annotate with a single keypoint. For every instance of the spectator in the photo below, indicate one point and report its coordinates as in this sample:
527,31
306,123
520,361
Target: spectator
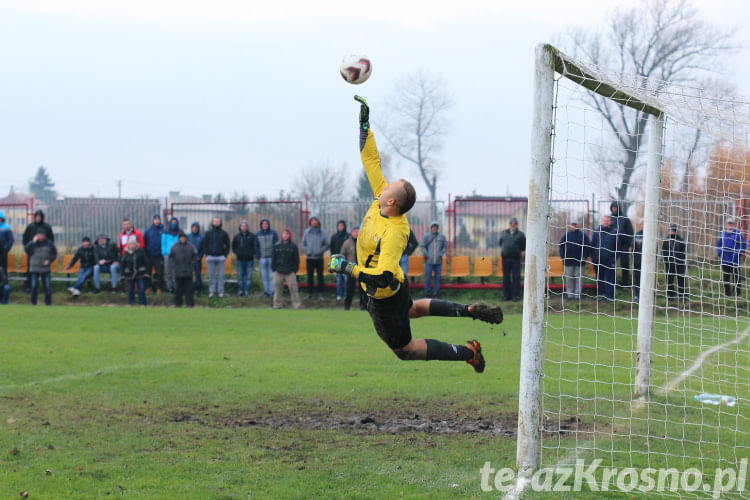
169,238
128,230
4,286
314,245
411,245
182,258
264,248
512,246
105,255
285,264
604,246
731,247
673,255
337,240
637,255
349,251
216,247
433,248
196,238
243,246
85,254
29,234
575,248
623,228
152,247
134,267
6,241
42,253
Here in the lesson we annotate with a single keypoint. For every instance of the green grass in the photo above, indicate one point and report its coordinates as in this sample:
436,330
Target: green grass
221,403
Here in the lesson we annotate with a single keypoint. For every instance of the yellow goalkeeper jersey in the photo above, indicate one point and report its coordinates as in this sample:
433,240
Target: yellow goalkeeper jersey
382,239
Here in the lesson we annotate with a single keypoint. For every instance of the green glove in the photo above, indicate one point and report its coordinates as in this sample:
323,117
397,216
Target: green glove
338,264
364,109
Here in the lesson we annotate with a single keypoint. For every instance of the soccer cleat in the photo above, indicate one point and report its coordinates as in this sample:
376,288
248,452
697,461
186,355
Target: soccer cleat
486,313
478,360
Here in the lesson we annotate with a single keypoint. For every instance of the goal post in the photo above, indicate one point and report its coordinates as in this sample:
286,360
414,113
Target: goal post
624,377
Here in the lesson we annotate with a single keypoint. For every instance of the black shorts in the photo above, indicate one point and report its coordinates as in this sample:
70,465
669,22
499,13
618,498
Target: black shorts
391,317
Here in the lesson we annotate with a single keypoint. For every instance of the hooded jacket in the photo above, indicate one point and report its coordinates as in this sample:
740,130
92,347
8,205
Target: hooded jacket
152,240
265,240
196,238
6,235
729,247
107,252
338,238
216,242
244,244
182,258
512,244
314,240
285,258
134,265
170,236
433,245
604,245
32,228
40,252
622,227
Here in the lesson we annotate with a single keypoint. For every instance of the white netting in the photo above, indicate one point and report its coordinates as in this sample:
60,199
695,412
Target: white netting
701,333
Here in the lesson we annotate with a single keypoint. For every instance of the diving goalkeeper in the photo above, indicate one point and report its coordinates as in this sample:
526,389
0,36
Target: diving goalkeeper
381,242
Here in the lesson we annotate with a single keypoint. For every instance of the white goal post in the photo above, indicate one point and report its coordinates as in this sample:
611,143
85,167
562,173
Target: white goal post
624,374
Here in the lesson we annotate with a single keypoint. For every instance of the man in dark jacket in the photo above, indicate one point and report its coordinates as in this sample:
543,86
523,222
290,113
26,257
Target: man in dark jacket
152,242
637,256
28,235
673,255
216,247
285,264
604,247
4,286
243,246
623,228
85,254
337,240
42,253
182,258
265,241
411,245
314,245
196,238
575,248
106,256
434,246
512,246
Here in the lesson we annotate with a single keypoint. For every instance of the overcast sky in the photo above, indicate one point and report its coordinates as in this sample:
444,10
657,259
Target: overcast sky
233,95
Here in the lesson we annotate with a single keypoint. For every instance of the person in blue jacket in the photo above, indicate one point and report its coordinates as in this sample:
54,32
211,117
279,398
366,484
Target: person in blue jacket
196,238
6,241
152,242
731,247
169,238
604,248
265,241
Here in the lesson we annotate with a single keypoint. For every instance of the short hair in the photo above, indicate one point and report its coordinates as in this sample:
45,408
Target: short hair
406,199
126,219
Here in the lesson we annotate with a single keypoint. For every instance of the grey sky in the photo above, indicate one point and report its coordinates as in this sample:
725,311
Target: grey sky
224,96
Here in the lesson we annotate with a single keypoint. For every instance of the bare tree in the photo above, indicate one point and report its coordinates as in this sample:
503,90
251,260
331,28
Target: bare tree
322,182
659,39
416,124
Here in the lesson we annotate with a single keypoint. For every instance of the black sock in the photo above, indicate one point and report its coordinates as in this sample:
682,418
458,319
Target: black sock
443,351
445,308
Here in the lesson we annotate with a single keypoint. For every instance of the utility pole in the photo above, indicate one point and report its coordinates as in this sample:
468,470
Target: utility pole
119,189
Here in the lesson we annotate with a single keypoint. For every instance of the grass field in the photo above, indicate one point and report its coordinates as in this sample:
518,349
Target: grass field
254,403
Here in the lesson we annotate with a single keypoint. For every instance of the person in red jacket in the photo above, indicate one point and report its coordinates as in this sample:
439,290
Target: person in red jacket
128,230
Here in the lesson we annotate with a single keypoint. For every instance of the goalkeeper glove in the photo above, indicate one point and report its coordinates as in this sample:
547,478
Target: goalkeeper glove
364,109
338,264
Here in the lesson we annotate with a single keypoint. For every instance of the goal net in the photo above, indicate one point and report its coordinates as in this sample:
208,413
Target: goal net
627,369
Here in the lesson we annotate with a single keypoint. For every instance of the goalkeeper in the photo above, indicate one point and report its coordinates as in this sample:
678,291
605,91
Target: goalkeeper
382,239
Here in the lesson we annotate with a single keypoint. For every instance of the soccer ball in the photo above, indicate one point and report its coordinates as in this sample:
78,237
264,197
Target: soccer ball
355,69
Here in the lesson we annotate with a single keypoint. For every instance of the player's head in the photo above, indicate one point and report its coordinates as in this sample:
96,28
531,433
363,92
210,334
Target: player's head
399,194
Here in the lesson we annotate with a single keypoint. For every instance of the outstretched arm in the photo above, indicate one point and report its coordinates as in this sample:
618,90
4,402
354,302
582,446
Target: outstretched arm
368,150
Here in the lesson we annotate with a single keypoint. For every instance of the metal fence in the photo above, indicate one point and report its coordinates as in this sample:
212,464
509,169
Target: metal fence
280,214
73,218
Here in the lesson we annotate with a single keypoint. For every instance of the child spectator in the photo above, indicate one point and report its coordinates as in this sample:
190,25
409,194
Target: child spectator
134,268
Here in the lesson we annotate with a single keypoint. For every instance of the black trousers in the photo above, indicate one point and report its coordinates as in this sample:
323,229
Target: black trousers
157,267
511,278
732,280
314,265
675,273
624,258
198,283
183,287
352,284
